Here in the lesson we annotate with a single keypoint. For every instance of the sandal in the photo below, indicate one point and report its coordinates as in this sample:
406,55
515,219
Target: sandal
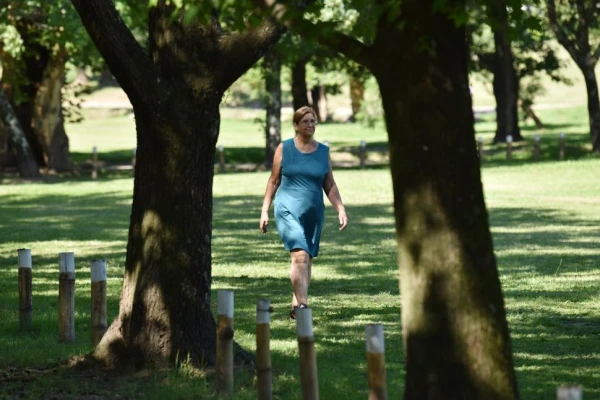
293,312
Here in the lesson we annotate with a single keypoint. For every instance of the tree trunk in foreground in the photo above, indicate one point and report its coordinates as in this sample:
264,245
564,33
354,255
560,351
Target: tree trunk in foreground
272,73
456,338
593,105
175,91
26,163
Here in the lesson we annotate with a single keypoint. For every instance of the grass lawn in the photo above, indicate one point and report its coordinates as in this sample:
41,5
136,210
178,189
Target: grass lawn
545,219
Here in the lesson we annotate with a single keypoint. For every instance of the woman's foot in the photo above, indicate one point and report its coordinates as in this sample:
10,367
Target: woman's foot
293,312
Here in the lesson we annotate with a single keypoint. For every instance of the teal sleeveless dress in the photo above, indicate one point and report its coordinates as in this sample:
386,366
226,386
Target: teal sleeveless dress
299,208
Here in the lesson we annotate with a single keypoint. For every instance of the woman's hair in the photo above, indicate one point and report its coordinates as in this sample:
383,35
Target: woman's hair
301,112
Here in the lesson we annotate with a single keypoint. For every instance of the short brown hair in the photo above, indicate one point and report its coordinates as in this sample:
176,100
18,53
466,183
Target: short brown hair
301,112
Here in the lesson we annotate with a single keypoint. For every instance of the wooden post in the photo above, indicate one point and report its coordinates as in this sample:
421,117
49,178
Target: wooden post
224,367
66,297
480,148
25,290
94,162
376,362
536,148
221,159
509,147
363,153
98,311
134,158
308,358
569,393
263,349
561,146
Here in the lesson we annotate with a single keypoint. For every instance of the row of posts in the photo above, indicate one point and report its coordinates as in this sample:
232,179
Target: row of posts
66,296
536,147
362,155
96,164
306,348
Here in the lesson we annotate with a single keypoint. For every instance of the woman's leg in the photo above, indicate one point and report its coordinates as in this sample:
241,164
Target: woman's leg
300,272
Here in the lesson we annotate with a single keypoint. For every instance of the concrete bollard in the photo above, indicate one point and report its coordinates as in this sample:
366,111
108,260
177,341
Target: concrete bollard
134,158
224,367
536,148
561,146
98,310
221,159
480,148
25,290
263,349
363,153
376,362
308,358
66,297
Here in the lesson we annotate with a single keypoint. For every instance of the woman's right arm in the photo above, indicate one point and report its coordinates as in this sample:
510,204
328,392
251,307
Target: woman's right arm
272,185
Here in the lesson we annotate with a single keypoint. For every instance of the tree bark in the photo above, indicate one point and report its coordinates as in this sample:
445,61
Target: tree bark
456,337
272,73
505,83
319,102
299,88
26,163
357,95
164,312
575,39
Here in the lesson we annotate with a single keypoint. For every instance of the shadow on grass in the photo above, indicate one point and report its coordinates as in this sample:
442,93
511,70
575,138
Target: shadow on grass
553,343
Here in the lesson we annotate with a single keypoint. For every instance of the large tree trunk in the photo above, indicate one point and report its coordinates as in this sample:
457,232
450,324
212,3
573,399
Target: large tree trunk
456,338
26,163
593,104
505,83
272,73
165,311
299,88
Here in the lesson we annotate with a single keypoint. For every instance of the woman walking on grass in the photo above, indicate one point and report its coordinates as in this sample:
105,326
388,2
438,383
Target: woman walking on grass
301,172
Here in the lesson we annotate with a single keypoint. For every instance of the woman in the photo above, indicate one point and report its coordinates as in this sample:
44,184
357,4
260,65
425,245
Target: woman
301,172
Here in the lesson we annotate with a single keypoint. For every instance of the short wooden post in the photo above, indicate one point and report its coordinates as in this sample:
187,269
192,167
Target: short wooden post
569,393
94,162
25,290
376,362
134,158
263,349
363,153
561,146
536,148
98,311
480,148
221,159
224,367
509,147
66,297
308,358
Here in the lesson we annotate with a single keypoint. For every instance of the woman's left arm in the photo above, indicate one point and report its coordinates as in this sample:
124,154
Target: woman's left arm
333,194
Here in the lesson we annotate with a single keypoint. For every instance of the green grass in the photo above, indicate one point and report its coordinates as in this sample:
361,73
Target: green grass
545,220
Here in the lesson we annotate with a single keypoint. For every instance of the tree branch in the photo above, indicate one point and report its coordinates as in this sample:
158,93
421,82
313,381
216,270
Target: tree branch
560,34
325,34
131,67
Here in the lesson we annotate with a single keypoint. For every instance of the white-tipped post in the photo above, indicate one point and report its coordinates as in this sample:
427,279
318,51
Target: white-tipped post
536,148
98,307
224,365
221,158
561,146
509,140
25,289
94,162
376,362
363,153
66,297
480,148
263,349
308,358
569,393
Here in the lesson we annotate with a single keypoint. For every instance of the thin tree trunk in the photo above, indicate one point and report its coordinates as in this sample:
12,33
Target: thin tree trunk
455,333
26,163
593,105
299,89
505,83
319,102
272,73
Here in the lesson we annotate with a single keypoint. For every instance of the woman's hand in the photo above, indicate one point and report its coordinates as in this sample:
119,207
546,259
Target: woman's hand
343,219
264,221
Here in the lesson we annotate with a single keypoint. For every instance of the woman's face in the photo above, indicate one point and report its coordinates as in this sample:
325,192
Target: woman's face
306,125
